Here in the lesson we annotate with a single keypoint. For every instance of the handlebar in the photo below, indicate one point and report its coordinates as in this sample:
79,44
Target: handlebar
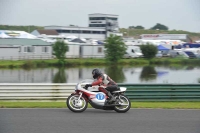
85,88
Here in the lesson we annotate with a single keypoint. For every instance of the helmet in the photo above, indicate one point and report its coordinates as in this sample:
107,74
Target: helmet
96,73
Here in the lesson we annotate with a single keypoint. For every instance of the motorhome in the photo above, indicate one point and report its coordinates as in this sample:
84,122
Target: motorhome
195,52
190,52
177,53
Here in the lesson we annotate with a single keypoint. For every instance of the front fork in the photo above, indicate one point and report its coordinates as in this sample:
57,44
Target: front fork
81,93
119,97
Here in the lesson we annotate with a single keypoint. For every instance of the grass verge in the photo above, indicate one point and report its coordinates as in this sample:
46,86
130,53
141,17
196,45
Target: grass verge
164,105
28,64
69,63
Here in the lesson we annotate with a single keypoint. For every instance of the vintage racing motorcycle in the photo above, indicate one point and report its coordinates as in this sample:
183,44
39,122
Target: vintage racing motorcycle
78,101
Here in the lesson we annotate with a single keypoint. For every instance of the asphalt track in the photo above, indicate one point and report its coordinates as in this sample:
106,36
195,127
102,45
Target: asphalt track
99,121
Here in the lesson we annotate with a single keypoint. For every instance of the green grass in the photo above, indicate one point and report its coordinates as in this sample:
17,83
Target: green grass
167,105
164,105
137,32
175,61
69,62
28,64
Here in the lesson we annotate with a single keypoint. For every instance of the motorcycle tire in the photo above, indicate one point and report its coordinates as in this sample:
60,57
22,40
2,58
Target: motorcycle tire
119,109
76,109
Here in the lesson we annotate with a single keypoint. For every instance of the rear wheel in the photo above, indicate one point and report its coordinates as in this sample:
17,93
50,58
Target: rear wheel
125,104
76,105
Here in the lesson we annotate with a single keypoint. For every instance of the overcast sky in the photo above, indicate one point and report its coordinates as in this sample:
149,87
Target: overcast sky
176,14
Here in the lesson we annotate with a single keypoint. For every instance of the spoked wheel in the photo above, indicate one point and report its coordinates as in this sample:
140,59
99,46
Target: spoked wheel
125,104
76,105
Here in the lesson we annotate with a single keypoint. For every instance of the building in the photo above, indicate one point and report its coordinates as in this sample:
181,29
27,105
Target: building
80,32
45,32
99,27
107,21
92,51
20,49
182,37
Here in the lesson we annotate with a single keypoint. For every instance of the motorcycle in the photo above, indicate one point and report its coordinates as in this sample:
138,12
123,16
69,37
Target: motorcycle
78,101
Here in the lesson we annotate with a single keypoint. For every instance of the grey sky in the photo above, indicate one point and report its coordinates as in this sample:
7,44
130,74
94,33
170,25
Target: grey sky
176,14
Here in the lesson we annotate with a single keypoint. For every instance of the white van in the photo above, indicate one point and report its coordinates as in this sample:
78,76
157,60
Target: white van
133,52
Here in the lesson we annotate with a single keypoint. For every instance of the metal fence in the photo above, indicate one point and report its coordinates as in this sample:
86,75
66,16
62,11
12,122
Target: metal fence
136,92
40,57
163,92
35,91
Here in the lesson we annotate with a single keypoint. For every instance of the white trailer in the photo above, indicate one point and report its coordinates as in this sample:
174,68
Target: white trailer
74,51
92,51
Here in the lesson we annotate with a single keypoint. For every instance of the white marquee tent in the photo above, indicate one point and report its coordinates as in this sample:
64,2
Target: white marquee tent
16,34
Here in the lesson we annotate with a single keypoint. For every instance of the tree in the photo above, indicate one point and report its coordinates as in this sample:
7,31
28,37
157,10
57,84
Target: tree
60,76
136,27
148,73
159,27
21,28
59,50
149,50
115,48
131,27
116,73
139,27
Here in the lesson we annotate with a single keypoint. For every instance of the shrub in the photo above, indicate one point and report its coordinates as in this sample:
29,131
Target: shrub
149,50
115,48
59,50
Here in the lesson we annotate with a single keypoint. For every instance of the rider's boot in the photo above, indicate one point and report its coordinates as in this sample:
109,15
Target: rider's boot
111,98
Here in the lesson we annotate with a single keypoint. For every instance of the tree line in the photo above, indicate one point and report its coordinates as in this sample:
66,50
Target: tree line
28,29
158,26
31,28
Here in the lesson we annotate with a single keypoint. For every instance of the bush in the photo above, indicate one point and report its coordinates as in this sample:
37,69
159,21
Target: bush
59,50
149,50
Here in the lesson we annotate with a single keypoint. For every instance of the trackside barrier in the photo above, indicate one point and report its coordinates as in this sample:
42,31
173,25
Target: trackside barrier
35,91
163,92
136,92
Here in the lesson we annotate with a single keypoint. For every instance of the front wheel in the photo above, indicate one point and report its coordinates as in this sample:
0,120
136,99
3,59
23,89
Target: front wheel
125,104
76,105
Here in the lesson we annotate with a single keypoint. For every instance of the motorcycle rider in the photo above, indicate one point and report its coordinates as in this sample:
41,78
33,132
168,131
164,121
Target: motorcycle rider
106,81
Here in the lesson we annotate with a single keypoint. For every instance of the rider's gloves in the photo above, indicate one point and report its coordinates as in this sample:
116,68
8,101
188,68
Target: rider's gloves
88,85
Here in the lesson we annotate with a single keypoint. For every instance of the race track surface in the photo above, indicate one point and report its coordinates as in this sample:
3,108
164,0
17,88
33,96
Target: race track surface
99,121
